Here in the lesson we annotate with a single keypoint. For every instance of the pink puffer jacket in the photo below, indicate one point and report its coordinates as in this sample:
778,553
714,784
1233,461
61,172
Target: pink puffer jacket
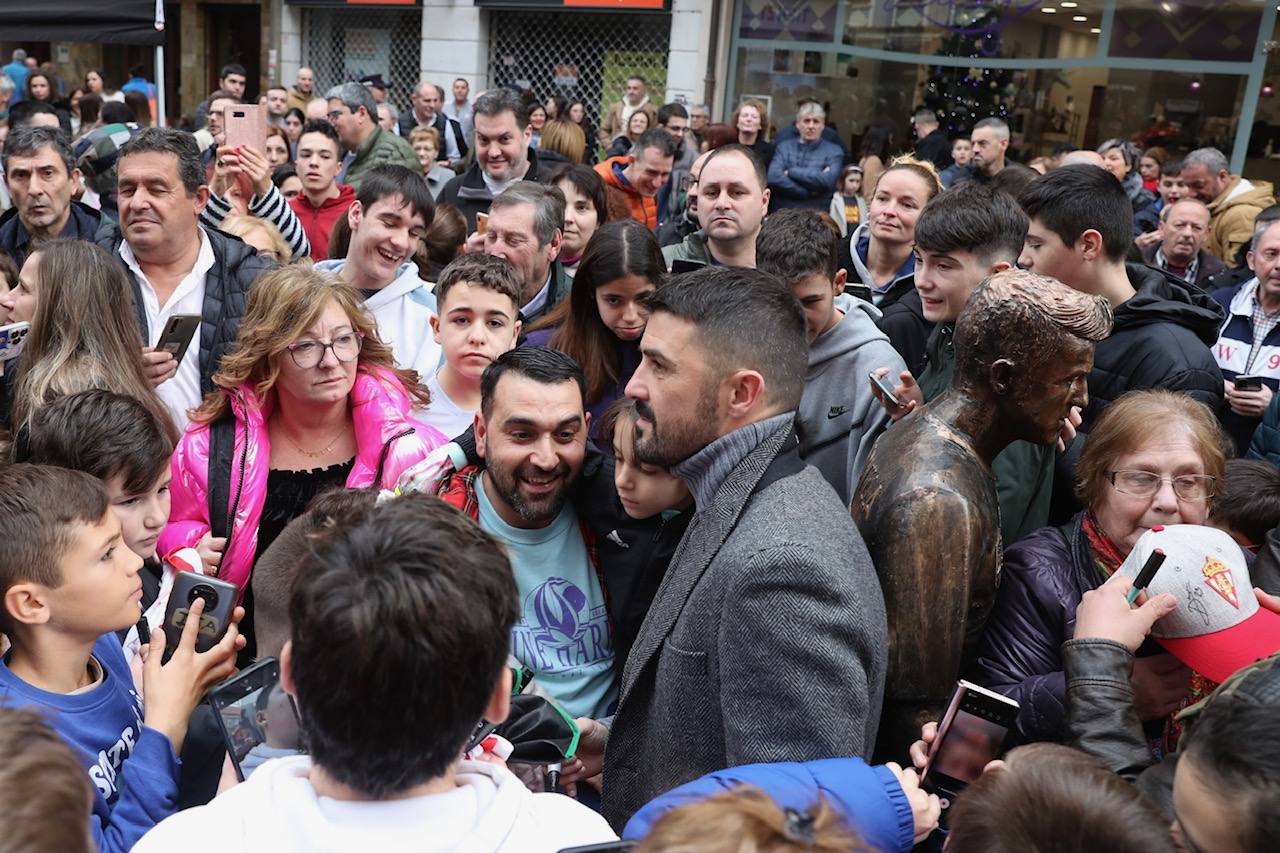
386,437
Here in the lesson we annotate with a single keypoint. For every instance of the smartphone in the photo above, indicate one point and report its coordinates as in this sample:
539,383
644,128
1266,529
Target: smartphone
219,602
971,734
177,335
861,291
13,338
886,388
246,124
482,223
257,717
1245,382
679,265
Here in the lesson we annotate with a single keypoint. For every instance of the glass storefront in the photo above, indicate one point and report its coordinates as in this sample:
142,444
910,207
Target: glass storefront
1062,73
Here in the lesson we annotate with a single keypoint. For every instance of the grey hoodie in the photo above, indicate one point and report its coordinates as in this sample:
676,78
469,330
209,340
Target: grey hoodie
839,417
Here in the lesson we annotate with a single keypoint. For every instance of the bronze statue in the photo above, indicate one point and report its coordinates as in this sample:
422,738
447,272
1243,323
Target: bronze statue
926,502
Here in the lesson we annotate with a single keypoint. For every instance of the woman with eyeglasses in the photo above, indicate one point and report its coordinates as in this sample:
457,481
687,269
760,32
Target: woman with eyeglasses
309,400
1153,458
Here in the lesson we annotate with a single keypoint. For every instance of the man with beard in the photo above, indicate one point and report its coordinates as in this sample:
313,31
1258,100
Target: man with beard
503,155
766,640
927,502
531,433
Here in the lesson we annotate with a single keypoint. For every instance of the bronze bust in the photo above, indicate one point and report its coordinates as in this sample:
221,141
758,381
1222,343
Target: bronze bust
926,502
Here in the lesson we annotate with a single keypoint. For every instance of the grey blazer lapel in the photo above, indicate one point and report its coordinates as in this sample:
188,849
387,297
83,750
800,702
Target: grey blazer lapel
702,541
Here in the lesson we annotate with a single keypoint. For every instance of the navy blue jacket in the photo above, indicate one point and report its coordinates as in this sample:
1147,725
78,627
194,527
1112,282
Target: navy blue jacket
869,799
804,174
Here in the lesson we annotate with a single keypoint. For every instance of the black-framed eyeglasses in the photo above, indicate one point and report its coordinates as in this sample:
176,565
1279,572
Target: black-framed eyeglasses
1145,484
309,354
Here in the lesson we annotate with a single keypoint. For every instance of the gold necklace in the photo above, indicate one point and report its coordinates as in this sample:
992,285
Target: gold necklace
317,453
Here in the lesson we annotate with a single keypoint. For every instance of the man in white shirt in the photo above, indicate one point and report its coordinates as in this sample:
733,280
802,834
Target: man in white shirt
459,109
415,661
392,210
177,267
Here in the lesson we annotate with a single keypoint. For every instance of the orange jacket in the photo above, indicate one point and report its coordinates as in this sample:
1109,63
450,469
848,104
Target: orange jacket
642,208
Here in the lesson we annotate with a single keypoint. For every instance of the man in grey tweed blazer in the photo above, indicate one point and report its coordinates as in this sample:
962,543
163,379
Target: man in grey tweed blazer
767,639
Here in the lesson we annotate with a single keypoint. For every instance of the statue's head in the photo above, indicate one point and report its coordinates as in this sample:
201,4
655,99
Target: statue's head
1024,344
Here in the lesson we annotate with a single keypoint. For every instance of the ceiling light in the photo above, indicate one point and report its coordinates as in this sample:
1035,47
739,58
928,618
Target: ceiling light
1068,4
1049,10
1079,18
1097,31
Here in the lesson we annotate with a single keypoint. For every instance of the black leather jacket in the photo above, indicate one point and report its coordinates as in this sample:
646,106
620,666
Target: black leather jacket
1101,719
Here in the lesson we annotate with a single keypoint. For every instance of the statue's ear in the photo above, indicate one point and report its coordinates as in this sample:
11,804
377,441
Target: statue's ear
1002,375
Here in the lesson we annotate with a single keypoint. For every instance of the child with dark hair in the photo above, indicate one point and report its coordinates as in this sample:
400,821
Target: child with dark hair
116,439
68,584
1247,503
600,325
661,506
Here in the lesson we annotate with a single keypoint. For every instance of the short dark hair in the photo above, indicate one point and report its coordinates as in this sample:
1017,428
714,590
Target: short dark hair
395,180
643,82
541,364
232,68
322,127
757,165
498,101
21,113
278,87
669,110
45,795
973,217
28,141
1235,747
40,505
657,140
586,181
482,270
796,243
1073,199
1171,168
1248,499
166,140
115,112
745,319
103,434
282,173
395,598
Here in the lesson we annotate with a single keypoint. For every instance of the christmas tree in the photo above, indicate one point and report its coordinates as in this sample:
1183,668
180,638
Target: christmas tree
964,96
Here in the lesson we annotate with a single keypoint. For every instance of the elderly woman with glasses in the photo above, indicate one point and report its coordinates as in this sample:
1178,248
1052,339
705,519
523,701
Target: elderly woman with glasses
1153,458
309,400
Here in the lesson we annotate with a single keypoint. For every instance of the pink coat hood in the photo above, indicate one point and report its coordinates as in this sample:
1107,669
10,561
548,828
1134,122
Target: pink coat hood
388,439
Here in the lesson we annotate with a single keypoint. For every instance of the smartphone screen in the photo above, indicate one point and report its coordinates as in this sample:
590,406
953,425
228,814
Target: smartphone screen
258,718
970,744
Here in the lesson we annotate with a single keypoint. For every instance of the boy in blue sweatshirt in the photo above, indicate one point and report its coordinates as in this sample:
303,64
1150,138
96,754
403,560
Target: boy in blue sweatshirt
69,583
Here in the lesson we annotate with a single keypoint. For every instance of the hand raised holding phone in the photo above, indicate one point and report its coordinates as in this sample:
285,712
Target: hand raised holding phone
898,400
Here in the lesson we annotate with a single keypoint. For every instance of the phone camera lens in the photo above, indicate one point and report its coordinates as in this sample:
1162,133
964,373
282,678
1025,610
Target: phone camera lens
206,592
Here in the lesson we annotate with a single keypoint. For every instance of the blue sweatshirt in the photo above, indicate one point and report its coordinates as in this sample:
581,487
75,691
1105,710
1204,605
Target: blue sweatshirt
133,769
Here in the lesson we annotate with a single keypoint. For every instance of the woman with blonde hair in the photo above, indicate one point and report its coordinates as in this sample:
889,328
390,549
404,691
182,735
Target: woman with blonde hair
562,142
751,120
84,333
426,144
310,399
258,233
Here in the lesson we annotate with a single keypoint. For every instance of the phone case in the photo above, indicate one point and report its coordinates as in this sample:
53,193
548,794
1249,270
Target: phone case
13,338
178,334
187,586
246,124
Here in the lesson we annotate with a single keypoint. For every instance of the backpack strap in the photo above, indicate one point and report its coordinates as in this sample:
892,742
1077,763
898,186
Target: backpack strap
222,451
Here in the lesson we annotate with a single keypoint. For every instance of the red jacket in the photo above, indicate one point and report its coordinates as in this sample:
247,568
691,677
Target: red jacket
318,222
644,209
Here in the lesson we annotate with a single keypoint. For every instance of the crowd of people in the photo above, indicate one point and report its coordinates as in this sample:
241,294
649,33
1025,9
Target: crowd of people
738,447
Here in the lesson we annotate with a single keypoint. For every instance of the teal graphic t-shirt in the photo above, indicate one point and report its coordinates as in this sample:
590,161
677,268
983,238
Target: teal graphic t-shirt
563,631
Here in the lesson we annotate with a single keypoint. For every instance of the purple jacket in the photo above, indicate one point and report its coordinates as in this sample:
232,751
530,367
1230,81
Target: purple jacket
1045,575
388,440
